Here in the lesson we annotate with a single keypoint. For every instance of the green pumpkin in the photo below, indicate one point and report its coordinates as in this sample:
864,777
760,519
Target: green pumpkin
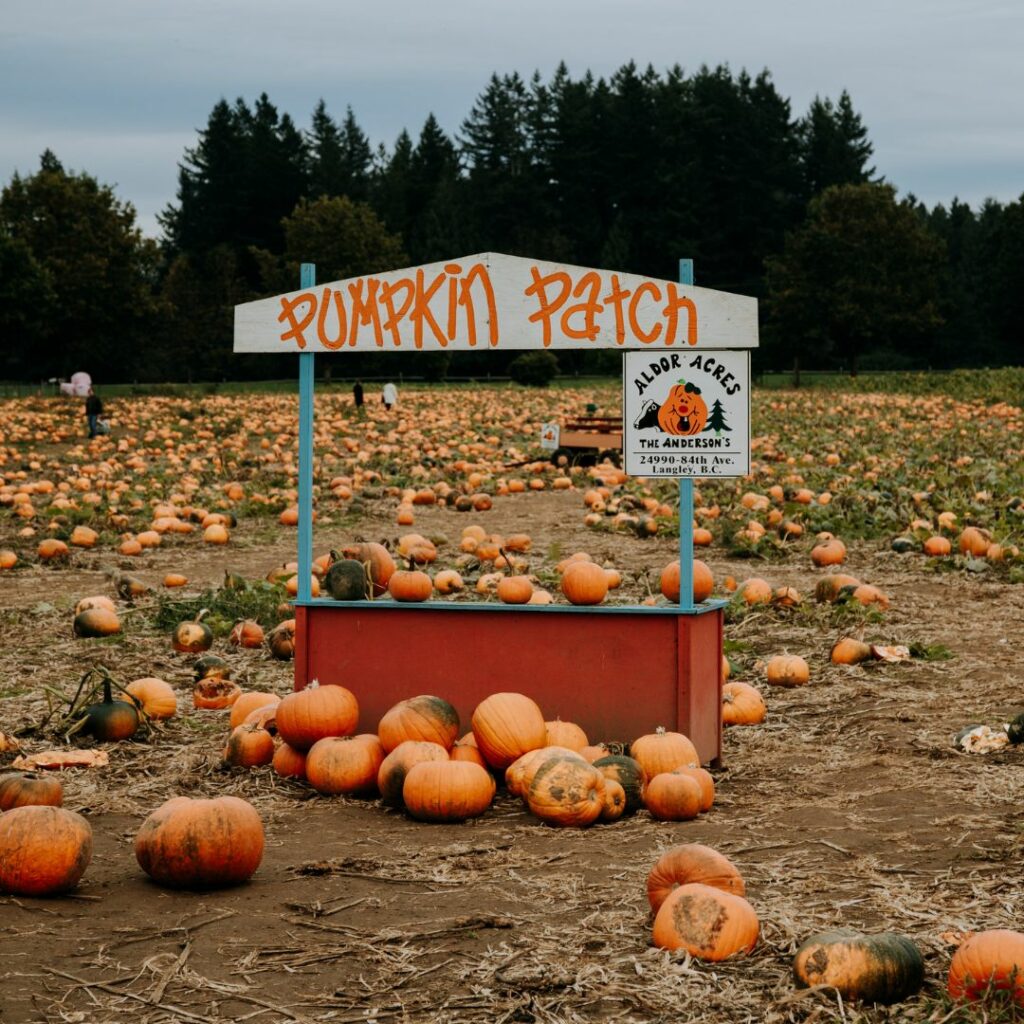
111,719
885,968
903,545
210,666
629,775
348,580
1015,727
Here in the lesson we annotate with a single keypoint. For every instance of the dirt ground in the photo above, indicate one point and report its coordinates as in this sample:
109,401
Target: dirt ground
848,807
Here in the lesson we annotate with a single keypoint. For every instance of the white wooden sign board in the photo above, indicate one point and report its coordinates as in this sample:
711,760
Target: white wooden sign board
550,436
686,413
494,301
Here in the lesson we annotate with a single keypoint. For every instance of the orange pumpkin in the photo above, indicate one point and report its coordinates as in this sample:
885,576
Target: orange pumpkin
344,764
566,791
246,634
673,797
249,746
986,961
395,767
411,585
43,850
289,763
506,726
684,411
565,734
584,583
315,712
447,791
663,751
688,863
156,698
708,923
742,704
614,804
24,789
215,693
427,718
246,703
703,581
788,670
201,844
848,651
704,780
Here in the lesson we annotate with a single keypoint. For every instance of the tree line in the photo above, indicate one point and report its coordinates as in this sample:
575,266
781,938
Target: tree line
629,173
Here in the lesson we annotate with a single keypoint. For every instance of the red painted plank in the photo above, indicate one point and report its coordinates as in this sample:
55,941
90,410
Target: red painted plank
618,676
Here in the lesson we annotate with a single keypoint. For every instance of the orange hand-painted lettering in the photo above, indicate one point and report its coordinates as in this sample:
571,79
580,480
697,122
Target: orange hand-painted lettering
647,337
547,308
478,272
589,282
617,297
365,311
421,312
675,303
394,318
321,321
295,325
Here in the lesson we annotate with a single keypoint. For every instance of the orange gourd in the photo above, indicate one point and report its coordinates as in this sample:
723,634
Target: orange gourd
506,726
201,844
708,923
689,863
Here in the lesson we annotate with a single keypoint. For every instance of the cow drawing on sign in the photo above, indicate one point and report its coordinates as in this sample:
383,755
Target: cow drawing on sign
648,416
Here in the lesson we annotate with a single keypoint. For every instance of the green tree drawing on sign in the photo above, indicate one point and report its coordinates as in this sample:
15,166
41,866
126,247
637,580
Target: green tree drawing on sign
716,419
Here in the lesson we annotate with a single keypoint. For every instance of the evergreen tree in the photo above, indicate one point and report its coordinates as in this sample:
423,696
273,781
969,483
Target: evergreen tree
716,418
741,178
834,146
357,159
505,190
434,230
275,176
326,155
392,192
574,160
861,275
210,184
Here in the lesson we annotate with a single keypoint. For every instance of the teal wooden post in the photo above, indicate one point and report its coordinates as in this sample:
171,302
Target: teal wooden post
307,279
686,501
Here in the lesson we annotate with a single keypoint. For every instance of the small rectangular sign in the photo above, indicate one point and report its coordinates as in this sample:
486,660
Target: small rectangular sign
549,436
686,413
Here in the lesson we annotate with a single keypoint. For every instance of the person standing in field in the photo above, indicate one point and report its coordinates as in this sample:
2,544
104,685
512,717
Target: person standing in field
93,412
389,396
357,395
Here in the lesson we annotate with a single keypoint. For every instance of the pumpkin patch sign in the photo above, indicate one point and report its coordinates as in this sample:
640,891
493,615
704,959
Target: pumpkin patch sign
686,413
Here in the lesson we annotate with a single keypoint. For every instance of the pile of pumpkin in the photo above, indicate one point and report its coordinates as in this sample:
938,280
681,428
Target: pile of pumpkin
698,899
416,759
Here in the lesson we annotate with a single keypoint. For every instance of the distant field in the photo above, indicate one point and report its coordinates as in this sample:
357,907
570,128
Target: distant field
997,385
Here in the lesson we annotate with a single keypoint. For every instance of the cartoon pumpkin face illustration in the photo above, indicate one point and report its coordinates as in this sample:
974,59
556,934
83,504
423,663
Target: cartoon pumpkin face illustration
683,411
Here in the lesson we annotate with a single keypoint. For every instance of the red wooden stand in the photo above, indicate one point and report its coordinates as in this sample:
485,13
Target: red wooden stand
617,672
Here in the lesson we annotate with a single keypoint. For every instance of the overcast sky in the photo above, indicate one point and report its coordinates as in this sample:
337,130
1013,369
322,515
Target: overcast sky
119,88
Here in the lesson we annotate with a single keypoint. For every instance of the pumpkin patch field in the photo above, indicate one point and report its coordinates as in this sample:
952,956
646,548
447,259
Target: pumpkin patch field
184,838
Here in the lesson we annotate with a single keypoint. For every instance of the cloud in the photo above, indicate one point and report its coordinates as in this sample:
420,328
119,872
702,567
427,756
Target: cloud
119,88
